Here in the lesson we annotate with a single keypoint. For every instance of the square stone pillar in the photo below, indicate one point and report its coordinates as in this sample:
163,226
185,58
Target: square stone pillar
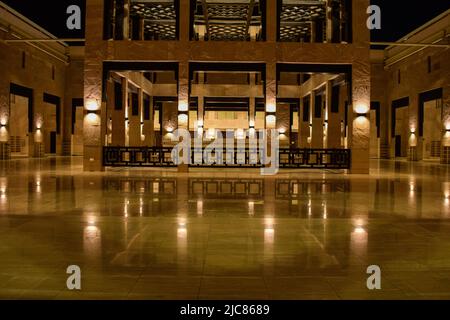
445,151
317,121
119,115
334,134
5,151
271,20
149,125
415,143
94,124
304,123
37,140
271,94
359,123
135,119
183,103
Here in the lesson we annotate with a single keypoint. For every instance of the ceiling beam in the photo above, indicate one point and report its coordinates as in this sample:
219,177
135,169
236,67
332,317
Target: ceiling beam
249,16
205,13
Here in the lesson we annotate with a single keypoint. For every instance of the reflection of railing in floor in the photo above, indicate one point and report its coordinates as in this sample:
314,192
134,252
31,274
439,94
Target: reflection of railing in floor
238,157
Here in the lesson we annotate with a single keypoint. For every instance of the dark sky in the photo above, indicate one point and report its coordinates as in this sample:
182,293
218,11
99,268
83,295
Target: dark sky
399,17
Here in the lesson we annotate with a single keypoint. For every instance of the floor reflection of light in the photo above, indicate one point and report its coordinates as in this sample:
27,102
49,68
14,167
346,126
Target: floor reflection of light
269,231
412,188
310,208
3,197
38,186
125,208
359,230
359,239
141,206
92,242
200,207
251,208
325,211
155,187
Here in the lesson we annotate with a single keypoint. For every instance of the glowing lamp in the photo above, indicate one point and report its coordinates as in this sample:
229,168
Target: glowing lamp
183,119
183,106
92,105
361,109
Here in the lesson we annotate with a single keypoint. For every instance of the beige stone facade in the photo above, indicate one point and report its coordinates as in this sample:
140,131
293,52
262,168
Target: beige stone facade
136,90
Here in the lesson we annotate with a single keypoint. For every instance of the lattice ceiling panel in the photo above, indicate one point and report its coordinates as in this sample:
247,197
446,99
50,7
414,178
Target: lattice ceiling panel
162,31
160,19
295,20
228,32
299,13
293,33
154,11
228,21
228,11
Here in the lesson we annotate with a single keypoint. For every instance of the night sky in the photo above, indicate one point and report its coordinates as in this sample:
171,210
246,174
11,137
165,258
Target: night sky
399,17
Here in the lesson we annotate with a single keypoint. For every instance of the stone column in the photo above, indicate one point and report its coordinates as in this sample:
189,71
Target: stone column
183,103
149,125
414,141
37,140
283,124
317,121
359,124
303,122
5,151
110,105
126,20
445,151
271,20
271,95
135,119
94,125
334,119
118,116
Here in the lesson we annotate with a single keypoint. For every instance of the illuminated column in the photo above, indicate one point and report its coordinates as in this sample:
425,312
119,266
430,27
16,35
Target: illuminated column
134,116
126,20
110,105
359,124
329,21
149,125
283,124
184,20
445,151
252,113
359,128
183,104
271,95
5,151
201,114
94,124
334,120
271,21
304,128
317,121
414,143
37,141
118,115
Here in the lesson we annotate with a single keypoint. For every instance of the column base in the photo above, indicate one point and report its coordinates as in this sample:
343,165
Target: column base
5,151
385,152
183,168
38,150
445,155
412,154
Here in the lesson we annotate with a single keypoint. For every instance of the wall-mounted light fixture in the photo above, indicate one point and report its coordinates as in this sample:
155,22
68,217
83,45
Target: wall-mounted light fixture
92,104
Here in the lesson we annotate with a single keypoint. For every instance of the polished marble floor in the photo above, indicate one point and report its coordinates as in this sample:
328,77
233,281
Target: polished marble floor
228,234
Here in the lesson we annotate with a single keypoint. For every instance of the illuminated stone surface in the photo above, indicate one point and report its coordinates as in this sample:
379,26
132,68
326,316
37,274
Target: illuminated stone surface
162,235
